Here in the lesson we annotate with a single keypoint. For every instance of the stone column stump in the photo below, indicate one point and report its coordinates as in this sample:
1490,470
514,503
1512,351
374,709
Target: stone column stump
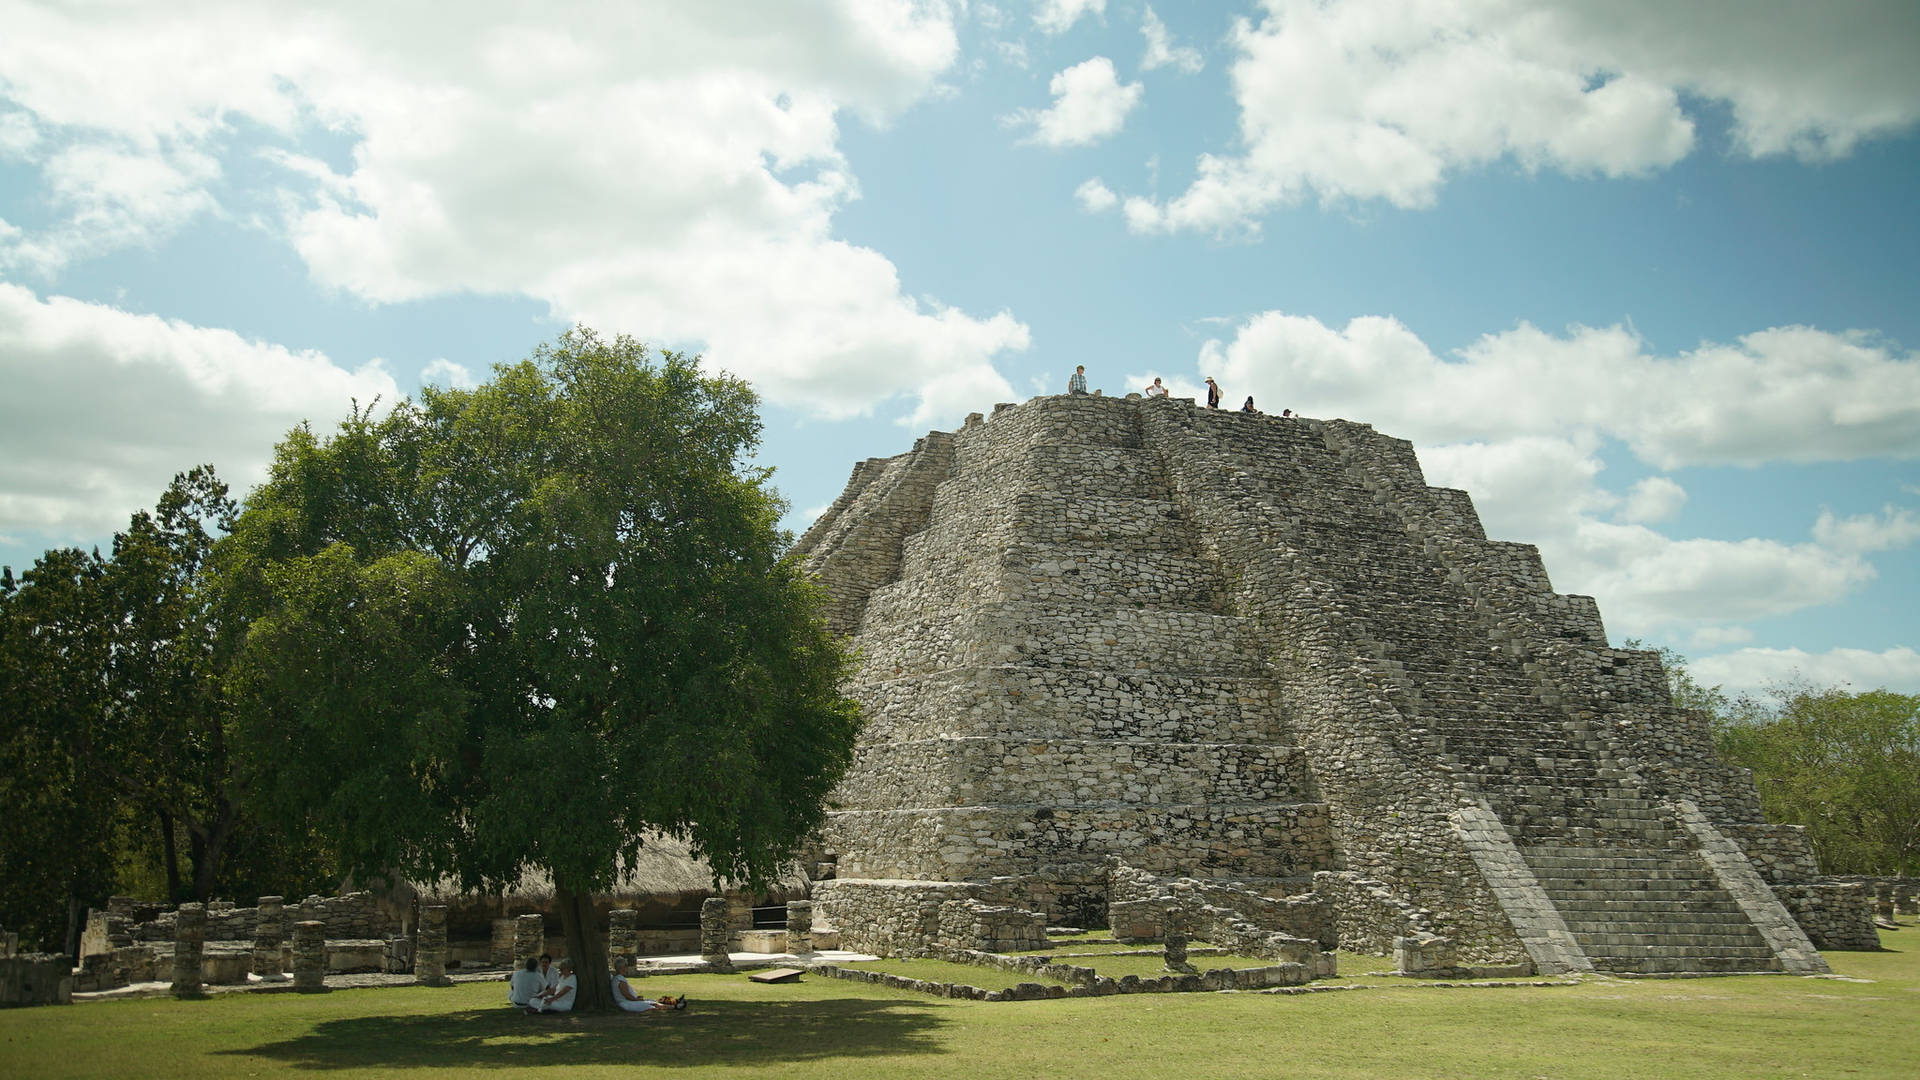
799,927
1904,902
269,934
500,946
310,956
529,938
189,946
623,933
715,932
430,947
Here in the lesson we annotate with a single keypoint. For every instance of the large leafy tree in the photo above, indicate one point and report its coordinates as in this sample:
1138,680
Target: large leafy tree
525,626
1845,765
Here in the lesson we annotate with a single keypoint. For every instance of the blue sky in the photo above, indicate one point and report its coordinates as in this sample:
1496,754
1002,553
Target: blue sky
1639,276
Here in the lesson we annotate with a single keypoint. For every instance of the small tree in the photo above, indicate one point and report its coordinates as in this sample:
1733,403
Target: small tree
525,626
56,835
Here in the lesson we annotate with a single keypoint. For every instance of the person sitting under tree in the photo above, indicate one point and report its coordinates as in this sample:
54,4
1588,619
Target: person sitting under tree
525,984
625,997
560,997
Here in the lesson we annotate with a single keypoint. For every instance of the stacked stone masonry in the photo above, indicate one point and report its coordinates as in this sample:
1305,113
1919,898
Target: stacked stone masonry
1232,647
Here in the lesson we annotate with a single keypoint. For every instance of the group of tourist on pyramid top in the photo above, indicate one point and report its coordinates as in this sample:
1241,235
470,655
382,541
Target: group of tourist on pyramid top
1077,384
541,987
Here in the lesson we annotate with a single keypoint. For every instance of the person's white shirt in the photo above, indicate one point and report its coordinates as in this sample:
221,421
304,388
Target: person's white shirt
563,994
624,996
549,975
523,985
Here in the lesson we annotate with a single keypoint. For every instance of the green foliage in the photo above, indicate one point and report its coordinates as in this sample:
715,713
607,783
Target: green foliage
114,735
522,626
1846,766
56,836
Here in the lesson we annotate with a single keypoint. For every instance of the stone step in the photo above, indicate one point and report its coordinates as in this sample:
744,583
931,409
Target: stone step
1053,471
1084,581
1136,641
981,771
1717,942
1081,519
1018,701
1217,840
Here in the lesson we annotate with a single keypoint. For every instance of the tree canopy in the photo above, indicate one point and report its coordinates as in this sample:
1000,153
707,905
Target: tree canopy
111,747
525,626
1845,765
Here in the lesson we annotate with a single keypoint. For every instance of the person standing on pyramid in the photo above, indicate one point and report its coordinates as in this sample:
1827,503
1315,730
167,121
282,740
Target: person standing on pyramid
1077,382
1156,390
1213,393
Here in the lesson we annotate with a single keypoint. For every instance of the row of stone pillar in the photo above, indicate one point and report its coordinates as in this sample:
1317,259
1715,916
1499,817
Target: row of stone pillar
430,950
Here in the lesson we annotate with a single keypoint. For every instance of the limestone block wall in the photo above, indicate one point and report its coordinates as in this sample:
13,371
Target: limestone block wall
1015,701
355,915
1233,646
1052,677
1250,840
1835,915
975,770
923,918
861,532
1374,764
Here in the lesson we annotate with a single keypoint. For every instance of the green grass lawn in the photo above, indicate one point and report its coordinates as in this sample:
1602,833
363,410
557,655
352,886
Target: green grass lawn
1753,1026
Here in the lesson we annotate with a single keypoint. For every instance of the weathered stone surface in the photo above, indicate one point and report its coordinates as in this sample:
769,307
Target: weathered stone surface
310,956
189,940
430,947
716,932
1238,649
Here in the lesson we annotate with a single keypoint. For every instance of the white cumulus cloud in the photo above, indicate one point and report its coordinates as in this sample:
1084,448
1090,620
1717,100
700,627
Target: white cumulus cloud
161,396
1058,16
1756,670
1893,527
1653,499
1385,99
1519,420
1095,197
1161,51
671,170
1089,104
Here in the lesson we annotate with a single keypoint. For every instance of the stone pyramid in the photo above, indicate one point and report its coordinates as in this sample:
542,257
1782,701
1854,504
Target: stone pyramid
1113,641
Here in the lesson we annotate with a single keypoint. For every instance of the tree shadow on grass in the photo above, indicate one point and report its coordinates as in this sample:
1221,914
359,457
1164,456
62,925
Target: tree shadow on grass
713,1032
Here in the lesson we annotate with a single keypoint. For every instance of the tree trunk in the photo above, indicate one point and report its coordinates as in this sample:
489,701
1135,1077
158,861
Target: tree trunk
170,856
209,848
76,922
586,949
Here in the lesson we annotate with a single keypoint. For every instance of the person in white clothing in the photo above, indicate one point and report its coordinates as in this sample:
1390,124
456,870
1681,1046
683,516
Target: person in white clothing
549,975
561,997
525,983
625,997
1156,390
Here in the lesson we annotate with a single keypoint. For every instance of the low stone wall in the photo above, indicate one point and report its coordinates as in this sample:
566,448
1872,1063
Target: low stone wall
1367,916
1085,982
35,979
1140,903
1835,915
922,918
355,915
